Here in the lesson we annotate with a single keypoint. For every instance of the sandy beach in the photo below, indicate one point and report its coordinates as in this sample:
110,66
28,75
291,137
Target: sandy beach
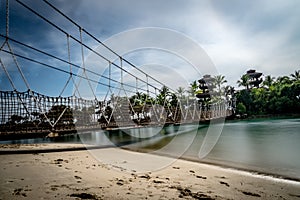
81,175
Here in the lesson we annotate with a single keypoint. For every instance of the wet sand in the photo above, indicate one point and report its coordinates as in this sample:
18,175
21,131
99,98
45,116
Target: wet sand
78,175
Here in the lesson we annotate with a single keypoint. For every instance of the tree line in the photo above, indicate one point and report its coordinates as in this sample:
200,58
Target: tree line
259,96
279,95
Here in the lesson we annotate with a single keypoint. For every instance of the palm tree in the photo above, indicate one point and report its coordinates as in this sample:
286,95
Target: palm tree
162,97
193,88
219,81
180,91
296,76
244,81
283,80
229,90
269,80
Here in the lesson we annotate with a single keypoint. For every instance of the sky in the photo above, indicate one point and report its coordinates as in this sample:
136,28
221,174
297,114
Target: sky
229,37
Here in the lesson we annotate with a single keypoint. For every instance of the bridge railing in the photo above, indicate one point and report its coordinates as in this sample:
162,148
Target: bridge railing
30,112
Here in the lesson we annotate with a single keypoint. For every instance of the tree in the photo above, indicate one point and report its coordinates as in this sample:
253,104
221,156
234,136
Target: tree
260,99
241,109
61,115
244,81
219,81
180,91
107,116
140,99
163,97
284,80
193,88
229,90
296,76
280,96
268,82
244,97
16,119
173,100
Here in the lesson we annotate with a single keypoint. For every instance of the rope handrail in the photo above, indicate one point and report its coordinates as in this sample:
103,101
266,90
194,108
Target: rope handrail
104,45
67,72
84,45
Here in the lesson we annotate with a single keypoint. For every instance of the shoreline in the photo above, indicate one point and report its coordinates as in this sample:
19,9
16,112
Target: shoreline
77,174
222,164
72,147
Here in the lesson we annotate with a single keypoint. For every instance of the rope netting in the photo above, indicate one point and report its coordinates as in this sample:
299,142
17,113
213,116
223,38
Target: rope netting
120,104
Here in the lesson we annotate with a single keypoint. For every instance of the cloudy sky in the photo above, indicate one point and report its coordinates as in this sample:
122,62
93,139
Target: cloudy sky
234,35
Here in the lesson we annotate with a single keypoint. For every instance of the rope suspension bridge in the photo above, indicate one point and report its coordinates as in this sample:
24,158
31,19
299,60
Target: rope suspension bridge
141,102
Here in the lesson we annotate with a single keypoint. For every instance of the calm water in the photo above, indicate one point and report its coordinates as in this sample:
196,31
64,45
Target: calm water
270,146
267,146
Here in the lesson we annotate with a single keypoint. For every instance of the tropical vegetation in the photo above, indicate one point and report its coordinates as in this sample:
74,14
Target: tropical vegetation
271,96
275,96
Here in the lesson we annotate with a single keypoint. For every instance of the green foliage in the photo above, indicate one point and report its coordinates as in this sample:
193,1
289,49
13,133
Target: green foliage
241,109
244,81
60,114
219,81
140,99
163,97
277,97
193,88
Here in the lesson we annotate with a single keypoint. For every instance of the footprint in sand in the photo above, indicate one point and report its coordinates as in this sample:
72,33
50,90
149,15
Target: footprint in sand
222,177
146,176
250,194
158,181
77,177
20,192
120,182
84,196
224,183
202,177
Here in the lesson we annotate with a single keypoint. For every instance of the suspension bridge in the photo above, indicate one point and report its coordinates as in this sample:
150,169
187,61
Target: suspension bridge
141,102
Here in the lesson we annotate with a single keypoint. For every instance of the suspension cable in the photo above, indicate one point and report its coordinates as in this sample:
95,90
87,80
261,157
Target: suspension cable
13,85
67,62
7,74
7,18
97,40
67,72
70,76
7,26
24,79
78,41
83,64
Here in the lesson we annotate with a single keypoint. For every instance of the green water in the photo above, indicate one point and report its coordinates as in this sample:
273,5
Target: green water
268,146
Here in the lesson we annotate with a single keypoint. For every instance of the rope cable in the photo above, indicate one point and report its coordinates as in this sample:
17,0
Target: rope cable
83,63
72,64
97,40
78,41
67,72
69,60
7,18
18,67
13,85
